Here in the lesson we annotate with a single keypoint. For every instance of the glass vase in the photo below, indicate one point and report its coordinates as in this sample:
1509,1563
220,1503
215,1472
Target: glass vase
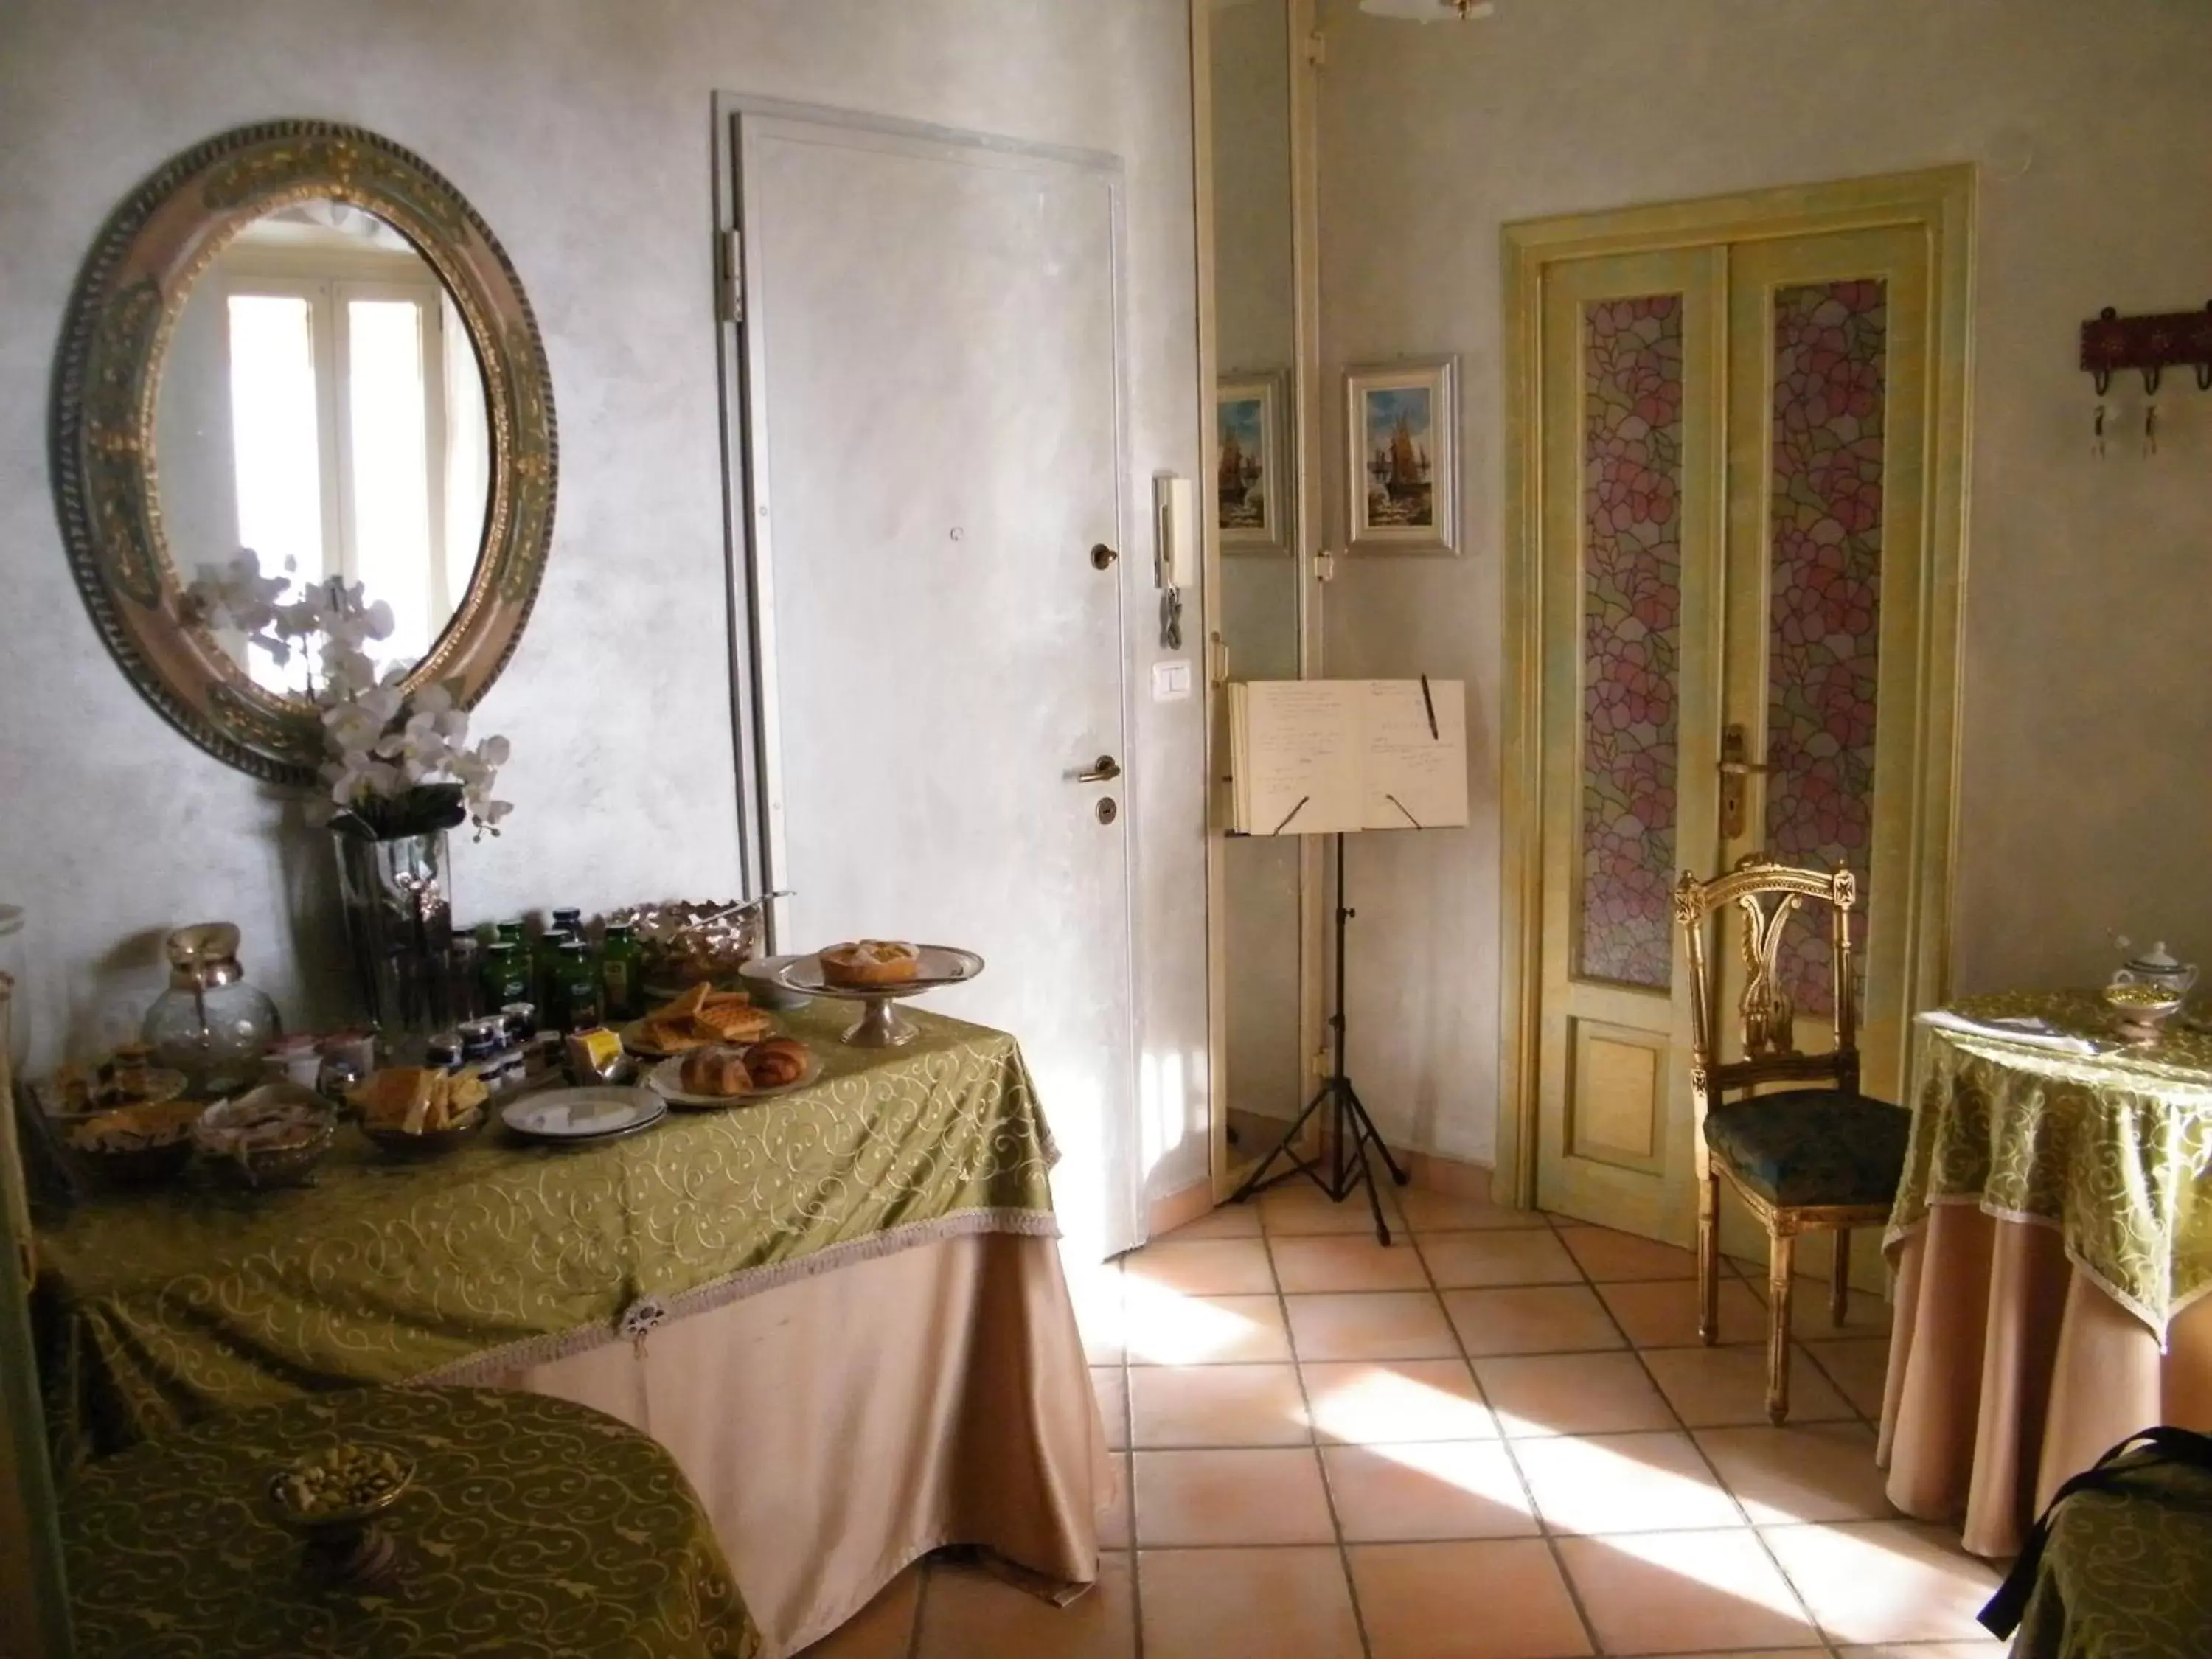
400,923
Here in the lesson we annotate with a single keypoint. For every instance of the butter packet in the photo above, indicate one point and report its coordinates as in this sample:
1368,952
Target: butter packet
593,1053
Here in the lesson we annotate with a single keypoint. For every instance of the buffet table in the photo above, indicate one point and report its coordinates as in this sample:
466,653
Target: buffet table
842,1309
2053,1238
531,1525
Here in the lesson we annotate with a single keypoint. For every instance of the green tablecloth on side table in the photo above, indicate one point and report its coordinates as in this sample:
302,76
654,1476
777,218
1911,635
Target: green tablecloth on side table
533,1528
2127,1573
158,1307
2113,1149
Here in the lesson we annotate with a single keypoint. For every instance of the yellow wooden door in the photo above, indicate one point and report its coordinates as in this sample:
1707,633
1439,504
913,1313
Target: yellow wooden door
1733,513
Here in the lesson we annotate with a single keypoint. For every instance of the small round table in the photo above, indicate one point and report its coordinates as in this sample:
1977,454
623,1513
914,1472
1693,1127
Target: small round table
532,1527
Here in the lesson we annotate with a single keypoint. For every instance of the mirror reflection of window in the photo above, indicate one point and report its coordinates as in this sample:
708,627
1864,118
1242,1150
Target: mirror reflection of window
389,396
353,409
273,425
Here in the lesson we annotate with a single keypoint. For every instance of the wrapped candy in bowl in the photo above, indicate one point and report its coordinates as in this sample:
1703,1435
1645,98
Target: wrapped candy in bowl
271,1136
684,942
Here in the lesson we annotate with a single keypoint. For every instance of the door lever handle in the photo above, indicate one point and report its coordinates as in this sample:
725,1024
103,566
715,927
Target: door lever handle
1735,766
1104,770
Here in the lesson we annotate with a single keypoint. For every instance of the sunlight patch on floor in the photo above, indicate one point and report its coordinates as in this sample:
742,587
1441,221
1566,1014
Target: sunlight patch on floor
1167,1328
1378,1405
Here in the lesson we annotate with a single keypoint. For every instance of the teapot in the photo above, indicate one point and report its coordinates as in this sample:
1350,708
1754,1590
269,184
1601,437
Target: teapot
2156,967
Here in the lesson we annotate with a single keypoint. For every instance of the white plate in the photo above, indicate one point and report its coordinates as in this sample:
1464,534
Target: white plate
574,1115
667,1080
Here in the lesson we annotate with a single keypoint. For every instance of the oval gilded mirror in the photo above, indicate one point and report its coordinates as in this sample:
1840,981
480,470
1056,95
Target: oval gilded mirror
298,339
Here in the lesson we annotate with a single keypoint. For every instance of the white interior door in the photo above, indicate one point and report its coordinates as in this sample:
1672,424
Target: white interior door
932,386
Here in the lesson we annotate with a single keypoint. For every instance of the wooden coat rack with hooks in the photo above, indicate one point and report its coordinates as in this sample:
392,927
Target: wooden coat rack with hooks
2110,342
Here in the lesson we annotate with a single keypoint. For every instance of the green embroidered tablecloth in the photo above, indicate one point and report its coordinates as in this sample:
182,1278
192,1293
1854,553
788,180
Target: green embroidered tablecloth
158,1307
2127,1573
533,1528
2111,1149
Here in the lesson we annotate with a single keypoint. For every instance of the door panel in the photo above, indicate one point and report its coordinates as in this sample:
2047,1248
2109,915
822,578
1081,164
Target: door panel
1733,542
1828,374
1630,676
935,448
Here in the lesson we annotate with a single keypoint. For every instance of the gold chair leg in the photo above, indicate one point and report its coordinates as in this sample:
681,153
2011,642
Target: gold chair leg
1839,1282
1709,1260
1781,1264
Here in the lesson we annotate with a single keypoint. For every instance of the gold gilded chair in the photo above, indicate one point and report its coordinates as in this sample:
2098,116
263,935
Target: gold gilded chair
1818,1156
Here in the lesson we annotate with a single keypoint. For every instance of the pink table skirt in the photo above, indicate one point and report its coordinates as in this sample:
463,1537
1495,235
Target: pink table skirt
2010,1370
838,1426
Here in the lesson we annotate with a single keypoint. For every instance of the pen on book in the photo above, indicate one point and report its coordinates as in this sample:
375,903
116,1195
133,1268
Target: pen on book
1429,704
1401,805
1292,813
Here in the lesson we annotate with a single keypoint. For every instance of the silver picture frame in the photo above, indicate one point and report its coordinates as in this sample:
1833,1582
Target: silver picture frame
1401,457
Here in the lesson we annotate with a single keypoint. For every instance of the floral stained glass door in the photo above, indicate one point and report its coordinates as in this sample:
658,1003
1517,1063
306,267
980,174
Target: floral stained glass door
1732,443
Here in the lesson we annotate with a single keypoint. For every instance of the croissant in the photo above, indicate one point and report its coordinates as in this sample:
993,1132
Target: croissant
777,1061
716,1070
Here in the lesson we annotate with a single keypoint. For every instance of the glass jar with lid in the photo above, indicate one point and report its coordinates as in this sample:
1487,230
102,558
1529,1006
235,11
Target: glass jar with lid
210,1023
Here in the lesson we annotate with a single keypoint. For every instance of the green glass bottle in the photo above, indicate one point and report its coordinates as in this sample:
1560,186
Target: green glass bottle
576,1001
545,969
621,973
511,933
505,977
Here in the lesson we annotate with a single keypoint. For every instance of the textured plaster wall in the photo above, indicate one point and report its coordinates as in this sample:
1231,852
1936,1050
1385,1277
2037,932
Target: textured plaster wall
2084,805
580,130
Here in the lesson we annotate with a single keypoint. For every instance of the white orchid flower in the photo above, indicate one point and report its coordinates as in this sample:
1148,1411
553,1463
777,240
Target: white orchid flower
353,728
379,741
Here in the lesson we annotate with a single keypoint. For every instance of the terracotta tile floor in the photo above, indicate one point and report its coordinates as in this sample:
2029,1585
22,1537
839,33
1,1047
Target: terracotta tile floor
1497,1439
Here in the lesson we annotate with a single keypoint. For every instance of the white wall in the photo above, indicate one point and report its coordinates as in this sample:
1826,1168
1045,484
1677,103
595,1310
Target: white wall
580,130
2084,807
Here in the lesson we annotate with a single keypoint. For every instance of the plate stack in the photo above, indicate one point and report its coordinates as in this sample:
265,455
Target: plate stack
583,1117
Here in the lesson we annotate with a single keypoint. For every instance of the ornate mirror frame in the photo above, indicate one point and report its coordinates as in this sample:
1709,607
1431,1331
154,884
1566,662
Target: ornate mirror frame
105,393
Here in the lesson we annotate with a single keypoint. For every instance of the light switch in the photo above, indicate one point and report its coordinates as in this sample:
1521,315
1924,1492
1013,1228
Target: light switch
1171,680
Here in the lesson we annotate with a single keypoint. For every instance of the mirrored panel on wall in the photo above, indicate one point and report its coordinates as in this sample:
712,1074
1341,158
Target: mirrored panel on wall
1256,501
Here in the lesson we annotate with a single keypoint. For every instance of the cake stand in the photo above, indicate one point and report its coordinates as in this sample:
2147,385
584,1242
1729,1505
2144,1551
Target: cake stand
880,1026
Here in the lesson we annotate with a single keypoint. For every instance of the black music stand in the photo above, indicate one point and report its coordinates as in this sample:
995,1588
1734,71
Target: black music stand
1350,1130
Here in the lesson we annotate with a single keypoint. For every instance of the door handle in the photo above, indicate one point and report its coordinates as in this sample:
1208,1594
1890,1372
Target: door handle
1735,768
1104,770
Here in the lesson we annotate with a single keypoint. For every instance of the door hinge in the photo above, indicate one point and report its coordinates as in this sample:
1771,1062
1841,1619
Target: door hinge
1316,49
730,276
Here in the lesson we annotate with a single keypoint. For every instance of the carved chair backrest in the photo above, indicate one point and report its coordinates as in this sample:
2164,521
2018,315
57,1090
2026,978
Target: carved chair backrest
1765,893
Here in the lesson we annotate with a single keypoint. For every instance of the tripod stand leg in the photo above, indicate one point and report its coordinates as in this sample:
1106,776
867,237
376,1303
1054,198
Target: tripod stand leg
1259,1179
1401,1176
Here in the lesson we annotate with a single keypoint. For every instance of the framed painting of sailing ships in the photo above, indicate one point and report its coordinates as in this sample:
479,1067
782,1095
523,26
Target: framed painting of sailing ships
1250,502
1402,426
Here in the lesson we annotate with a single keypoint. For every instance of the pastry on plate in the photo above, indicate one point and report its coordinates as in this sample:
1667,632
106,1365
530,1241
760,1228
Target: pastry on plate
418,1100
716,1071
777,1061
701,1016
870,962
732,1016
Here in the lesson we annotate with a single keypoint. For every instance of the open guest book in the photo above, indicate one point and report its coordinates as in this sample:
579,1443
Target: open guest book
1312,757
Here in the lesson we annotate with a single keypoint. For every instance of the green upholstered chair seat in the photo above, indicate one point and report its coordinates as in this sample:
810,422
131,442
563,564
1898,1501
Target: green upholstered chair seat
1812,1146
